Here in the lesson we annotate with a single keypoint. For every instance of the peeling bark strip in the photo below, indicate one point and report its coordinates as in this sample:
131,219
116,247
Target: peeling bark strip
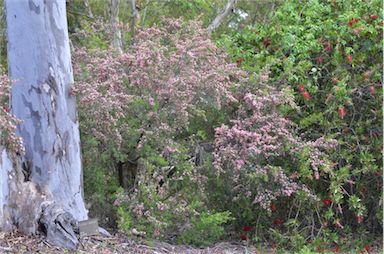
39,60
219,18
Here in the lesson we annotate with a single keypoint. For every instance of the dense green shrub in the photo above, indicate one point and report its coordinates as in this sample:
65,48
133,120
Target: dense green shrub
329,52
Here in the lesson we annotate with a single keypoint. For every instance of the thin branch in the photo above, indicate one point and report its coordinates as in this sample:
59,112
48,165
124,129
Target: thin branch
224,13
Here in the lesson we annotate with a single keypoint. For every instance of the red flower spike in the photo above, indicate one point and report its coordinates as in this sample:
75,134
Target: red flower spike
372,90
336,249
374,17
266,42
327,202
243,237
349,58
359,219
342,112
273,207
246,228
367,248
327,47
277,221
353,21
301,88
306,95
357,31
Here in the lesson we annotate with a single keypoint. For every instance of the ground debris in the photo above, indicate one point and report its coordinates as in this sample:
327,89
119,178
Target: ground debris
17,243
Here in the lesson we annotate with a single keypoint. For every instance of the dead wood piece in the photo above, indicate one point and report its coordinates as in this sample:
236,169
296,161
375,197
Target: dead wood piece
59,226
104,232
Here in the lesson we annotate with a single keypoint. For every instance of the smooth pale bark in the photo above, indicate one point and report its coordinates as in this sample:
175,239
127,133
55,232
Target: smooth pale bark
224,13
6,167
116,33
45,188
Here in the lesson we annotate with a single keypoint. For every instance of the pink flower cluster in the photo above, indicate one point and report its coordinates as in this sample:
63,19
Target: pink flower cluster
254,146
173,72
8,122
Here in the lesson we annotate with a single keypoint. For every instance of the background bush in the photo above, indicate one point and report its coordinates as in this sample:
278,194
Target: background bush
329,52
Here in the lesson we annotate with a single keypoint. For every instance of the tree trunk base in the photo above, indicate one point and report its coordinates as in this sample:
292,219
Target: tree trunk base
30,208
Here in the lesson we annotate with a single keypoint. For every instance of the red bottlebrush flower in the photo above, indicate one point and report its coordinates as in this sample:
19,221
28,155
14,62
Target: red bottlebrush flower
353,21
363,190
319,60
243,237
359,219
327,47
336,249
273,207
239,61
349,58
277,221
306,95
374,17
372,90
367,248
246,228
357,31
327,202
342,112
266,42
301,88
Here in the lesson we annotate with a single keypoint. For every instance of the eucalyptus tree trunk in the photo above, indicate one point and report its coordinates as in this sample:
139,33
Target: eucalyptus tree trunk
114,21
42,191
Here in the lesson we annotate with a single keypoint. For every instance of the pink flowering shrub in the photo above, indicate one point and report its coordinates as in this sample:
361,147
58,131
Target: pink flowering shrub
153,108
263,153
8,122
148,108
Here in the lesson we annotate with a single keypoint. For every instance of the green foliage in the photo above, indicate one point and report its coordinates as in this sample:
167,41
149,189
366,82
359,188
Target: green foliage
205,229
